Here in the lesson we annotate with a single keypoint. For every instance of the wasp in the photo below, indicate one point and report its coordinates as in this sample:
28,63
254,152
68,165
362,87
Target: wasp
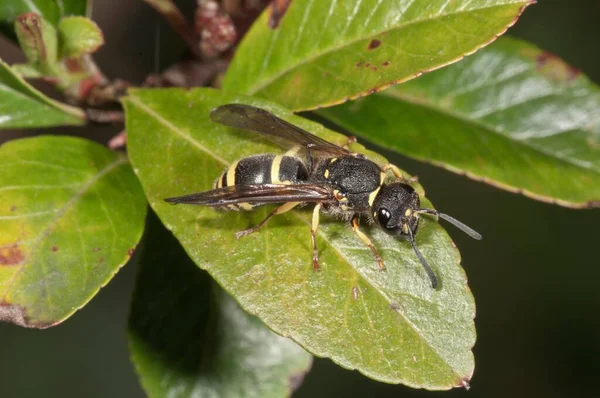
339,182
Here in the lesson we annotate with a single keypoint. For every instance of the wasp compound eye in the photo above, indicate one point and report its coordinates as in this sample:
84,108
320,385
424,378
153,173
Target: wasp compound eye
383,216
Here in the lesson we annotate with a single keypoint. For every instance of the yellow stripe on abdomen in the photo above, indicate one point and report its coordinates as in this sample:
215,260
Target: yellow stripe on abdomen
230,180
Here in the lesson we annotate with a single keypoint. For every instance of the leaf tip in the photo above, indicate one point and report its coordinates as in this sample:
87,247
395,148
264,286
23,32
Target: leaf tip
466,383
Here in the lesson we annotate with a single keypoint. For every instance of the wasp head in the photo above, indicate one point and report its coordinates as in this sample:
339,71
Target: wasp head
395,209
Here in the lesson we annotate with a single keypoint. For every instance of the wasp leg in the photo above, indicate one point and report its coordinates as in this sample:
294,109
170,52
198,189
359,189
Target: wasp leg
394,169
367,242
313,234
279,210
351,140
398,174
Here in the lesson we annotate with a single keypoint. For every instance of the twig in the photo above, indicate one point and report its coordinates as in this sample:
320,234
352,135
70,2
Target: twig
175,18
215,27
118,141
105,116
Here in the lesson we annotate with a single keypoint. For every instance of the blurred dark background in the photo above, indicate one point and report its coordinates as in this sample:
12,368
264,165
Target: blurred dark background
535,275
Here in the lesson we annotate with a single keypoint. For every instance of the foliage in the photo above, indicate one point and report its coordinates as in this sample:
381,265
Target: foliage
73,211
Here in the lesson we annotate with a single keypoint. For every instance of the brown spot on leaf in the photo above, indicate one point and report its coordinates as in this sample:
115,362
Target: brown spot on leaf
355,292
555,68
386,63
54,248
11,255
358,64
13,208
367,65
130,252
278,10
374,44
374,68
96,249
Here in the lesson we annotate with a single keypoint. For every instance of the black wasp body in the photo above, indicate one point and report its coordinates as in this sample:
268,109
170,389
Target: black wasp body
338,181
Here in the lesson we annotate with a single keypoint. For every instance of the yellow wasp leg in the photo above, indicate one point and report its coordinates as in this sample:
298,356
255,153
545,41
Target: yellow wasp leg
365,239
313,234
398,174
279,210
349,141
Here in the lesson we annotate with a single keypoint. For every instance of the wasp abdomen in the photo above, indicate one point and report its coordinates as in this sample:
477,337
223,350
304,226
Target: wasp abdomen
262,169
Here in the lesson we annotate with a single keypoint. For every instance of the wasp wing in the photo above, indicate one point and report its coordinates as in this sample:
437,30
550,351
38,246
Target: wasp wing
257,194
258,120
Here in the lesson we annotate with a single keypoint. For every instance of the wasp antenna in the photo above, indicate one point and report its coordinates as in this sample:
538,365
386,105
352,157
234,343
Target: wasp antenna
430,273
466,229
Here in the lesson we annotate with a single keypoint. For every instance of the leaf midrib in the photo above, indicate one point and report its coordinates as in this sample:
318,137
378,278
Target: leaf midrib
164,121
267,82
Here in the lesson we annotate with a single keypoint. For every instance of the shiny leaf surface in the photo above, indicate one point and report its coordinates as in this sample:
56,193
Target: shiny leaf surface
391,326
511,115
326,52
71,213
189,338
21,105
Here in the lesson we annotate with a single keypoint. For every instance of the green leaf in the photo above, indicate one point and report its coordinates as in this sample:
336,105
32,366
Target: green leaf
38,39
50,10
189,338
21,105
326,52
26,71
79,36
512,116
71,214
392,326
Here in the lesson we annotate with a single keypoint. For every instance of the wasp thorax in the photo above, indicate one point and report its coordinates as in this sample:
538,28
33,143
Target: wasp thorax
395,207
